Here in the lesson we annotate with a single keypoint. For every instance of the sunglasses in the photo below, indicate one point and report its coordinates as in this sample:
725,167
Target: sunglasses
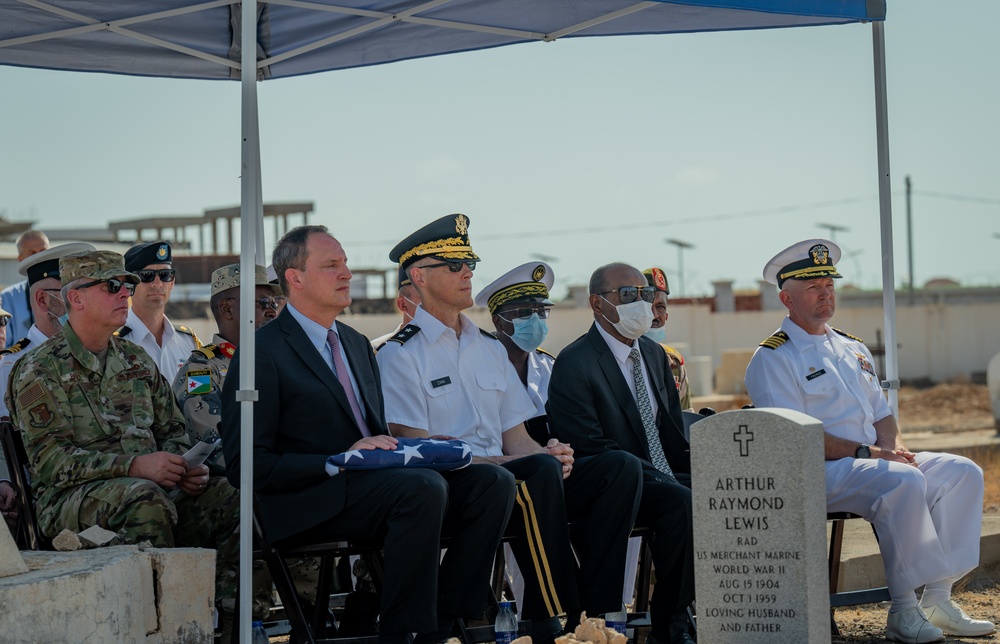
266,303
454,265
165,274
523,314
114,285
3,322
629,294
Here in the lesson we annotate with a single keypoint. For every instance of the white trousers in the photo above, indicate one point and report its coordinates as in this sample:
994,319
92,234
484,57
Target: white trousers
928,518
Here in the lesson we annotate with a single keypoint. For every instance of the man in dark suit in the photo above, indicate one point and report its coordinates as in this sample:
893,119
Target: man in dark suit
612,389
320,394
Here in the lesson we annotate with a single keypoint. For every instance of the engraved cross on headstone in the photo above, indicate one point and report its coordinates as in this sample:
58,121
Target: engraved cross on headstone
744,436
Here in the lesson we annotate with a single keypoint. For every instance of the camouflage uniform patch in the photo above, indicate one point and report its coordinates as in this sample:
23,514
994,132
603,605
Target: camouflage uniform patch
198,389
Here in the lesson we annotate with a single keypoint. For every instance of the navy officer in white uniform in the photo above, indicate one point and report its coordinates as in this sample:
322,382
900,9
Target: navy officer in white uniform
443,375
926,507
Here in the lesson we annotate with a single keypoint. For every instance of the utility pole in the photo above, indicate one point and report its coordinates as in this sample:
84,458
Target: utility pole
681,245
833,228
909,238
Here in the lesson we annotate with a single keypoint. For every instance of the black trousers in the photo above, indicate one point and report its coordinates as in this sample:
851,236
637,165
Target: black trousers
666,507
409,510
600,499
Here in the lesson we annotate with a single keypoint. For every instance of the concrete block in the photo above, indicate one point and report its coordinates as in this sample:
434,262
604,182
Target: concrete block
732,368
11,562
115,594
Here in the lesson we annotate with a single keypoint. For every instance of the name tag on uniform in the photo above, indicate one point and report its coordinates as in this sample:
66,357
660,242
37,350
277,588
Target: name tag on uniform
816,374
441,382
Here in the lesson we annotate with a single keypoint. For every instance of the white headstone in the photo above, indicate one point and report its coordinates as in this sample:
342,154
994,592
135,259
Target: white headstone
993,382
11,562
759,496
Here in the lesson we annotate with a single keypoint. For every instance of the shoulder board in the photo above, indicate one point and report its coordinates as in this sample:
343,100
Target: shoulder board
775,340
673,353
545,353
123,332
491,336
209,350
187,331
848,335
405,334
17,346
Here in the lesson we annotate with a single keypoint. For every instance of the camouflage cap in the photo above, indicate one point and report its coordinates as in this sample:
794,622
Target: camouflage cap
228,277
95,264
5,314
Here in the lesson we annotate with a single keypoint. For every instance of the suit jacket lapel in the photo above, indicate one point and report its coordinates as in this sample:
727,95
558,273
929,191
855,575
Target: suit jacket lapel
653,355
616,381
357,356
306,350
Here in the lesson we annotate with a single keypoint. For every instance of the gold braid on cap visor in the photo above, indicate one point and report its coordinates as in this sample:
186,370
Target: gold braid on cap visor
514,292
450,248
811,271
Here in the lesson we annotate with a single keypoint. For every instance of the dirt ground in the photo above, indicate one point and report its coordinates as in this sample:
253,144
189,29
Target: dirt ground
947,407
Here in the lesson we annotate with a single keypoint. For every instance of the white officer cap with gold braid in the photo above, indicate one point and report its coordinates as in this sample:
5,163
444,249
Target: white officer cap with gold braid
446,238
528,283
805,260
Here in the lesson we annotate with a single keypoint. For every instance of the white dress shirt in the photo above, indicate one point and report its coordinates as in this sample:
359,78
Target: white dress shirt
621,351
168,356
462,386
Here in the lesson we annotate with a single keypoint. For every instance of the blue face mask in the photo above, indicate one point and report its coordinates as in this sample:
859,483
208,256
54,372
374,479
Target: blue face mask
657,335
529,333
63,319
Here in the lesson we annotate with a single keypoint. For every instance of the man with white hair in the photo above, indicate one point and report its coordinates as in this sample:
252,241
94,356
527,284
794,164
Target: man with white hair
14,298
926,507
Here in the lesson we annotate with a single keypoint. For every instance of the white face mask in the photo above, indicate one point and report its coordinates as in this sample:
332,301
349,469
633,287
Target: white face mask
657,335
634,318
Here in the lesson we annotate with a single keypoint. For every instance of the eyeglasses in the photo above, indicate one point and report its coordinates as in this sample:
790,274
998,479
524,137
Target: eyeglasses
3,322
165,274
114,285
629,294
523,314
454,265
266,303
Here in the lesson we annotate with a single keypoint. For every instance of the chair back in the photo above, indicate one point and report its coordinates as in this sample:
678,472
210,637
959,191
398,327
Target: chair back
26,533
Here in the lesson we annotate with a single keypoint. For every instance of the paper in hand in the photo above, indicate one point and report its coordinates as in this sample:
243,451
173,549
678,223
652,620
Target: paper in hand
197,454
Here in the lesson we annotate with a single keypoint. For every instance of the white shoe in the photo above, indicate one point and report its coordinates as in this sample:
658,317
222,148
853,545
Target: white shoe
911,625
951,619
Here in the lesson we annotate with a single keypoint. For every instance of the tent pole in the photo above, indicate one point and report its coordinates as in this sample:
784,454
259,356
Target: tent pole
891,382
250,215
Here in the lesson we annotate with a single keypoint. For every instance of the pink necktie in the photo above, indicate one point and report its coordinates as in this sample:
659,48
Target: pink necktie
345,380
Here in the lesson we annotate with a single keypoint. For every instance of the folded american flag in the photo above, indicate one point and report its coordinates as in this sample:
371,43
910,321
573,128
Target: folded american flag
410,452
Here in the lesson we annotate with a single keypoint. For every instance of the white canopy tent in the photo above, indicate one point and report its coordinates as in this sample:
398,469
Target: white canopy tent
204,40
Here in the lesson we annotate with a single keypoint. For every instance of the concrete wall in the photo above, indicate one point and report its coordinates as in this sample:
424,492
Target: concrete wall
116,594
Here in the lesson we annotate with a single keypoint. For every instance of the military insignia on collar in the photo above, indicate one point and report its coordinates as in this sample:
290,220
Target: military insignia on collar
161,252
408,332
461,225
228,349
865,365
538,273
820,254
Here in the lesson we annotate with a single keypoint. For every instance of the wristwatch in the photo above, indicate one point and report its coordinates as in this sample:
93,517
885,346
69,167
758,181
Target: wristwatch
863,451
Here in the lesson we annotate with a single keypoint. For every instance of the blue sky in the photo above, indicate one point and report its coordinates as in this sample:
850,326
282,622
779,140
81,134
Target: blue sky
584,150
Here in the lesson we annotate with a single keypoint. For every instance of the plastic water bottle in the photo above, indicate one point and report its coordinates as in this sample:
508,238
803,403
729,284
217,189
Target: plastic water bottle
257,634
617,620
506,626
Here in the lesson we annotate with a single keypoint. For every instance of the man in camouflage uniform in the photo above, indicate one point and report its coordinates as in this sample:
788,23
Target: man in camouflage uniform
104,435
658,280
198,385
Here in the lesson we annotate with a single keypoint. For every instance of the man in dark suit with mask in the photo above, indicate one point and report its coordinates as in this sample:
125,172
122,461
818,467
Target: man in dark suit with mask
320,394
611,389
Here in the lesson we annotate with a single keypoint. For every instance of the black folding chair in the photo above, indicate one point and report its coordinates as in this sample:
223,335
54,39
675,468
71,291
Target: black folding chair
853,597
26,533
